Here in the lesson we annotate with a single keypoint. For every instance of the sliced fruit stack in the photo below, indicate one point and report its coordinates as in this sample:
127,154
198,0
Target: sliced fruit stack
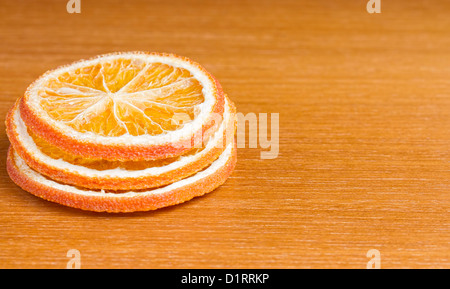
122,132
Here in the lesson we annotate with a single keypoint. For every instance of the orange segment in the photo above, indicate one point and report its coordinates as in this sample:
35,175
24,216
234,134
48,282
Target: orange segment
120,97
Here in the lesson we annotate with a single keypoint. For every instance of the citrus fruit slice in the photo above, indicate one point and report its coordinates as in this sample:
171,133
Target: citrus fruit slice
124,106
115,175
199,184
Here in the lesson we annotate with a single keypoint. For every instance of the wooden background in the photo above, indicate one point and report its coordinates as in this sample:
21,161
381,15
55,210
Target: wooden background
364,157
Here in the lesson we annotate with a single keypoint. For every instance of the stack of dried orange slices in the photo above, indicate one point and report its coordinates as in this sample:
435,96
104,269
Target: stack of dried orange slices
122,132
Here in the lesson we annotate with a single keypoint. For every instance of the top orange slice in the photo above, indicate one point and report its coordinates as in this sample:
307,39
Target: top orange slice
124,106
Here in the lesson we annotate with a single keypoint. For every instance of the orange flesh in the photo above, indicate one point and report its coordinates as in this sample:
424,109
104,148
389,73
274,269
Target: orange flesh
123,97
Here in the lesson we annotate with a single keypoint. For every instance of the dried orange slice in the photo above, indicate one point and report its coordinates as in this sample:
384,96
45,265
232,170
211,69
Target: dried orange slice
115,175
199,184
124,106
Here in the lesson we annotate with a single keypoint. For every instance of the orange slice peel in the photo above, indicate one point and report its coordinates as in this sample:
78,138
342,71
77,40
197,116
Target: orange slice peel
100,201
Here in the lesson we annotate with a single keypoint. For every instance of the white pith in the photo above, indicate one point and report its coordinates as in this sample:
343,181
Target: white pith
212,169
205,109
33,150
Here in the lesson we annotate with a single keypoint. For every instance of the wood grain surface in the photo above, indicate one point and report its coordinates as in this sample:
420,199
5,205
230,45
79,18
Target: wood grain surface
364,159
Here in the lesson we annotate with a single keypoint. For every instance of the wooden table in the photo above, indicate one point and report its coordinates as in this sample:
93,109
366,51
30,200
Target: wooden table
364,161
